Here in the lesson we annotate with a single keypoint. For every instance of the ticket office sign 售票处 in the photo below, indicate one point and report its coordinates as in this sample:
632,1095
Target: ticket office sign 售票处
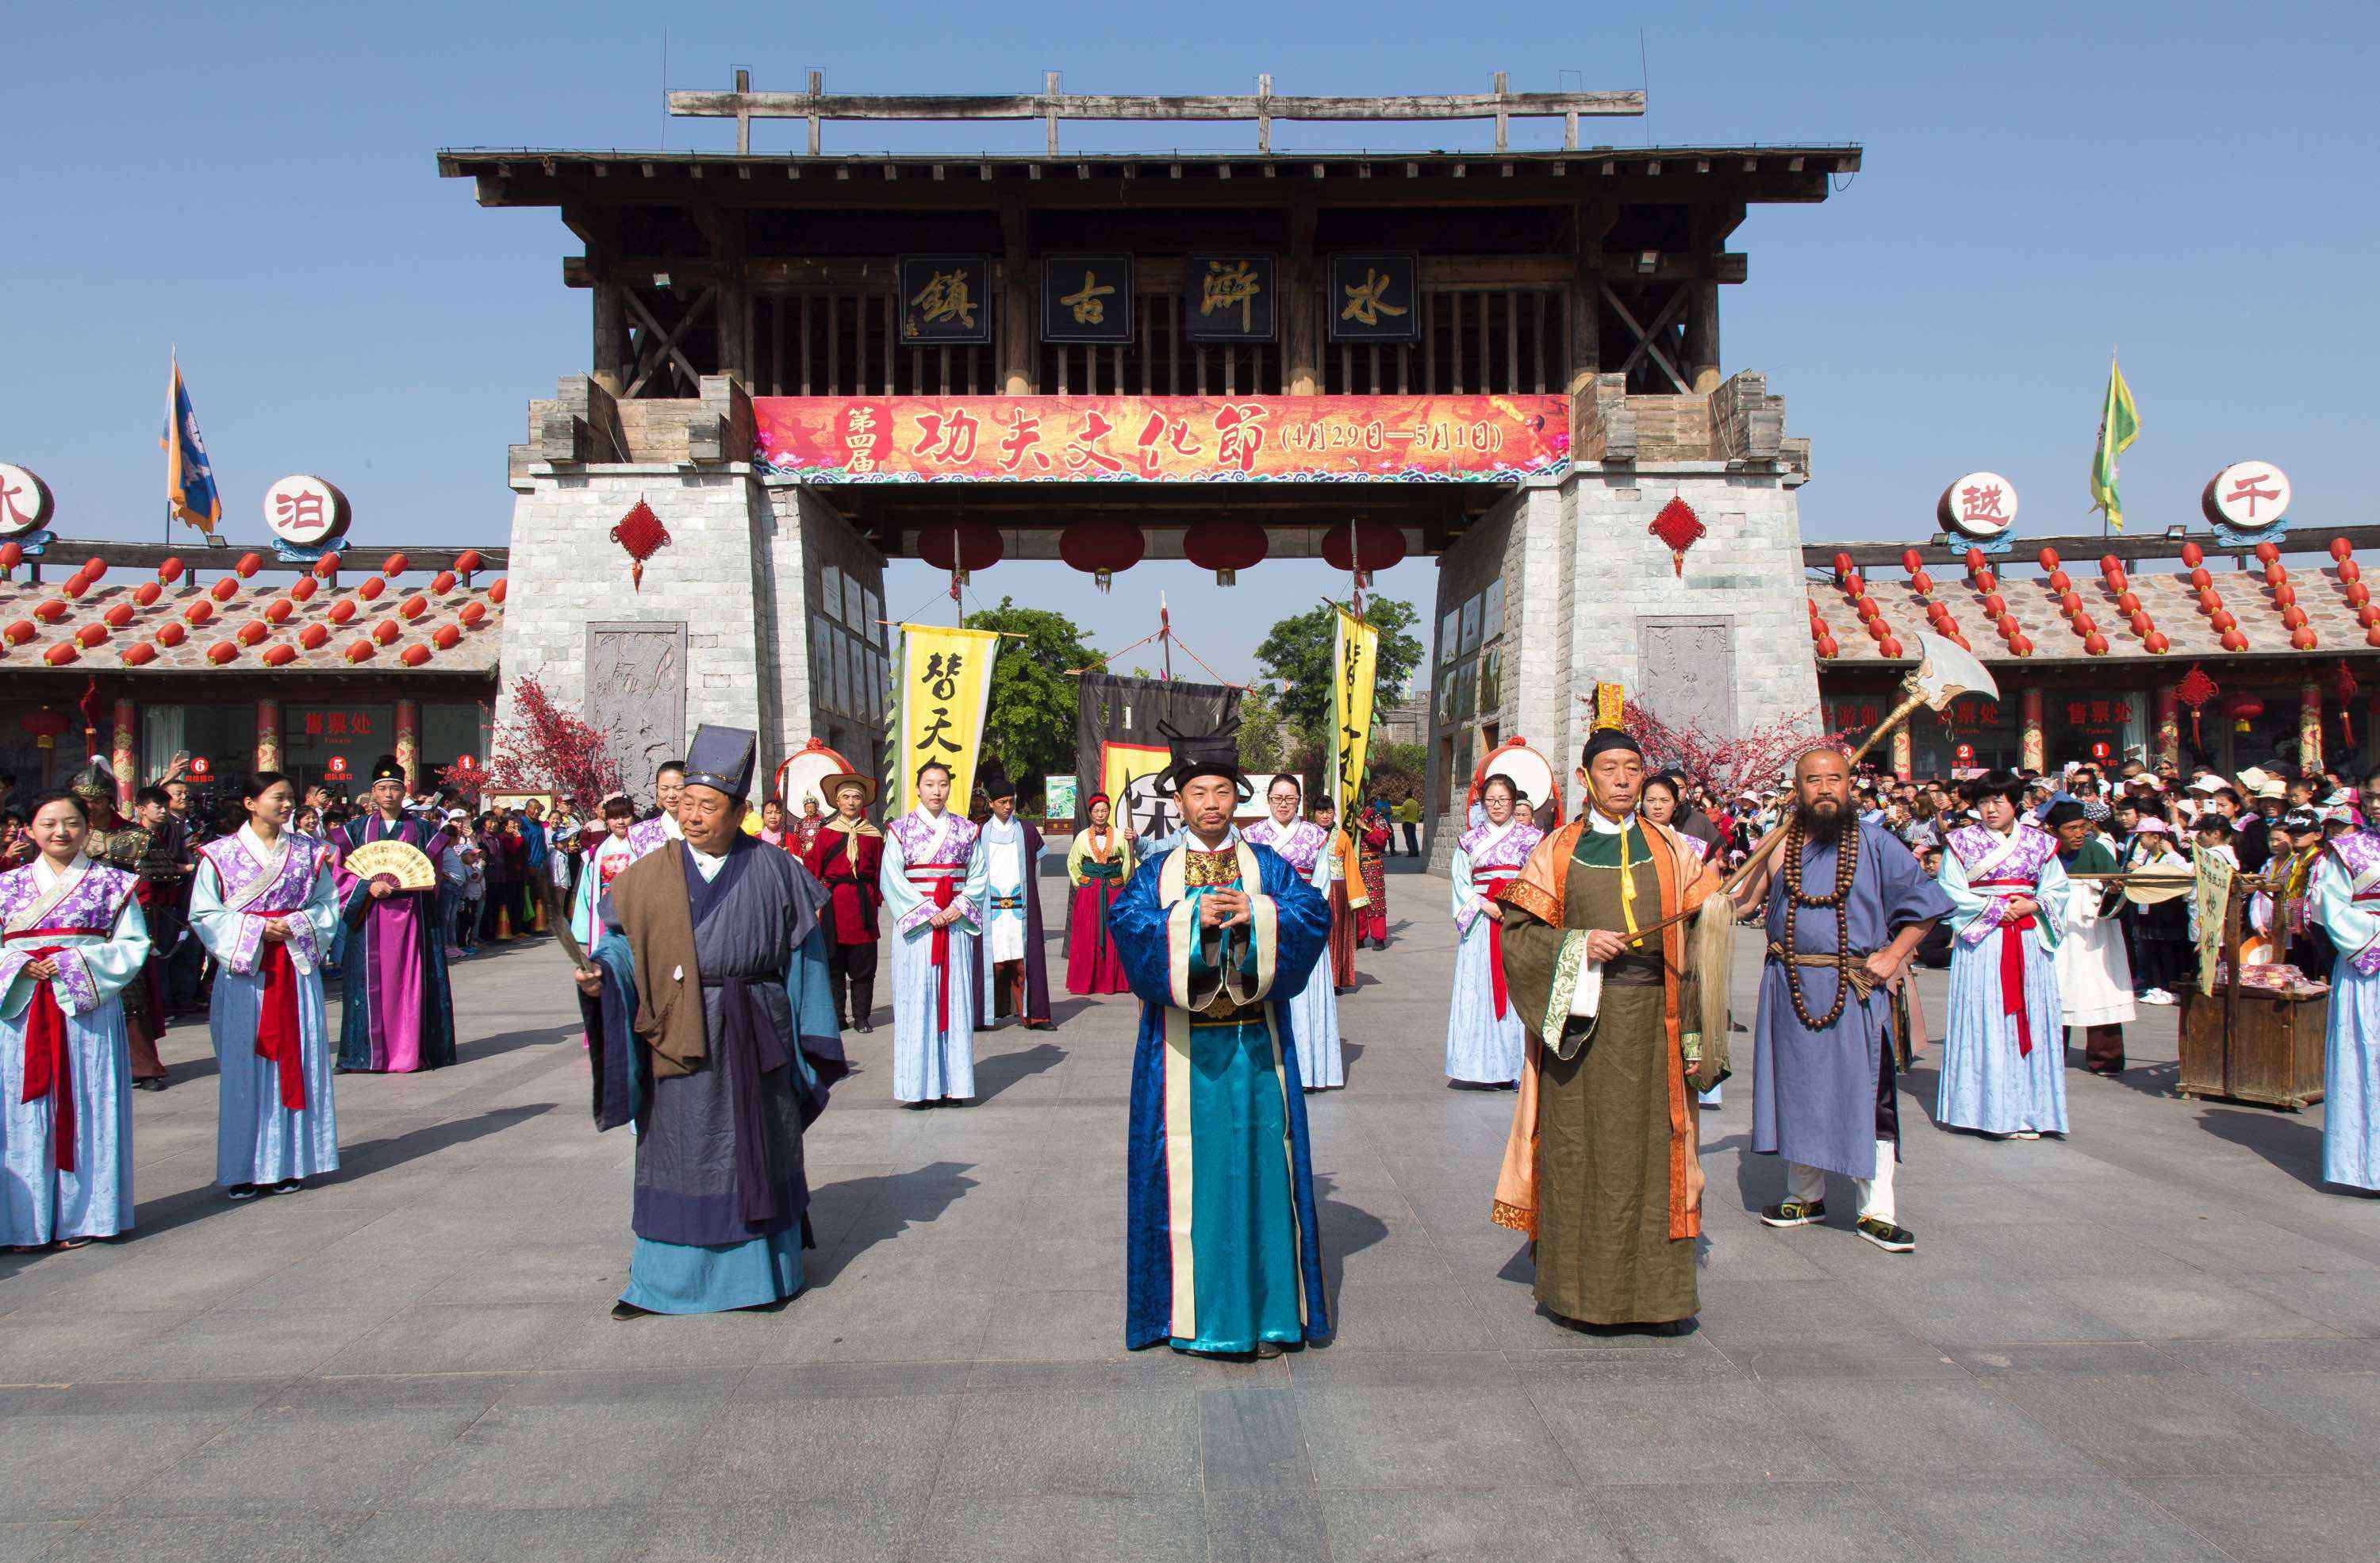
1162,439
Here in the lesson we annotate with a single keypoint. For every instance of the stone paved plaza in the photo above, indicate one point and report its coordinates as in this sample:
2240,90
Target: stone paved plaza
2158,1340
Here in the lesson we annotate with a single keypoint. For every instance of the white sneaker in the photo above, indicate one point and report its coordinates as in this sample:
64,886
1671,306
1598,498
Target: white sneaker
2157,996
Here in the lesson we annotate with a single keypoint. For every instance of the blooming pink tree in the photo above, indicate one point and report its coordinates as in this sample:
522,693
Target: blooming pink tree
1753,762
547,747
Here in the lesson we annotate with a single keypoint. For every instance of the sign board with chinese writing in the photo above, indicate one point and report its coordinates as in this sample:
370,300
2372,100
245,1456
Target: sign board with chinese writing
1162,439
2247,496
1087,298
1376,297
1059,795
25,501
945,299
1229,298
307,512
1980,507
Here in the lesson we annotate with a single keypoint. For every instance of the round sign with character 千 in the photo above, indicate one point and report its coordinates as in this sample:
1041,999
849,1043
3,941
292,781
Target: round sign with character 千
2247,496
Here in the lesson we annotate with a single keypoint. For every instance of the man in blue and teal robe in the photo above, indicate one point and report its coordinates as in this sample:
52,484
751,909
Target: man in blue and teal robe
715,1034
1222,1252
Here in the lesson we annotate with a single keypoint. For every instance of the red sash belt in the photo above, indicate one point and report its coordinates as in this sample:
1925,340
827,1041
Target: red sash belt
946,889
49,1070
1491,890
2012,964
276,1025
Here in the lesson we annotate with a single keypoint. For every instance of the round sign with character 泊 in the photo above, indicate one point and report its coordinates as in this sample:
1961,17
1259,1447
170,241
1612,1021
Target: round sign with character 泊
25,503
305,512
2247,496
1980,506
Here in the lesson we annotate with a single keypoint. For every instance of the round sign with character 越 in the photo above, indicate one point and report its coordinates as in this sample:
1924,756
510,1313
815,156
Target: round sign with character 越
1980,507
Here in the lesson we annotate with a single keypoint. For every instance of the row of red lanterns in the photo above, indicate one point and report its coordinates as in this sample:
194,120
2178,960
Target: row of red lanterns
1101,547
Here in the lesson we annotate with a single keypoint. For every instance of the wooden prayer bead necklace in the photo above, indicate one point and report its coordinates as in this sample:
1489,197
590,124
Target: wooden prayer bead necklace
1846,866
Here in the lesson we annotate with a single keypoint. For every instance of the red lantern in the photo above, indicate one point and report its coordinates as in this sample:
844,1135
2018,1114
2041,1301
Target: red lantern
959,547
222,651
496,592
2096,644
1099,549
2128,602
2339,548
1974,560
170,571
2200,580
1986,581
200,612
313,637
280,656
2048,558
139,654
2193,555
443,582
359,650
394,564
278,611
1911,561
2284,595
2157,643
2070,604
372,587
253,631
1890,648
327,567
1828,647
1843,566
342,611
2303,639
2293,617
1854,587
2268,552
171,633
473,614
46,726
447,637
2223,622
304,589
386,632
224,589
1364,547
2349,571
147,593
2060,581
414,606
414,656
248,564
117,615
1921,583
467,560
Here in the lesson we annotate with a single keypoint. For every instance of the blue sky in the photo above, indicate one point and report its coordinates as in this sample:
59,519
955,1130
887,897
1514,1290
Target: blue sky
2190,182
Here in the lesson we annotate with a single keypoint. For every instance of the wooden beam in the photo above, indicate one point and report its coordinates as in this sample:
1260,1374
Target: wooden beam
1052,106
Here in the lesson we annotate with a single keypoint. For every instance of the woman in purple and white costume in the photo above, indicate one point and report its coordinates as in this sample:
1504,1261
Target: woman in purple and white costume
2346,899
2003,1047
71,937
934,884
1483,1033
1314,1013
265,909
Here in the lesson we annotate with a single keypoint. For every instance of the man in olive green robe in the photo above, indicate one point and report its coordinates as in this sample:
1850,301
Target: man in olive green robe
1602,1166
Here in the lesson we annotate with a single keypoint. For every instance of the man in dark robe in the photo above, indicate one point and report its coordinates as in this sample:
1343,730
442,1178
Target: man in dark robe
1823,1090
396,1013
1223,1252
717,1037
1602,1166
848,854
1011,961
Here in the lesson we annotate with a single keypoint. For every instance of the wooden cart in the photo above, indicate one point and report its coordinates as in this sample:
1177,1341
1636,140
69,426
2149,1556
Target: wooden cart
2243,1043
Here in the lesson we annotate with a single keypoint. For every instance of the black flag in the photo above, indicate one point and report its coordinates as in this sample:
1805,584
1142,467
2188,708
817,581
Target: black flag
1120,746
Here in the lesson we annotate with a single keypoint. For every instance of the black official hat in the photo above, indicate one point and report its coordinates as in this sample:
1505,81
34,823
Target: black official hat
1204,754
386,769
721,759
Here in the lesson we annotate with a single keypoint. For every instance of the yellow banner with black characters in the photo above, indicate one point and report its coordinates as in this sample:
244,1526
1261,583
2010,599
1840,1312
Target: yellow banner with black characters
945,692
1355,659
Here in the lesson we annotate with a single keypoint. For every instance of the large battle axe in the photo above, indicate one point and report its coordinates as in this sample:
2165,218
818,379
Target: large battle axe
1945,671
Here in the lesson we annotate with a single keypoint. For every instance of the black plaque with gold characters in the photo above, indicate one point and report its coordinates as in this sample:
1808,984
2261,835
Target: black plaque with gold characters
945,299
1376,296
1229,298
1087,298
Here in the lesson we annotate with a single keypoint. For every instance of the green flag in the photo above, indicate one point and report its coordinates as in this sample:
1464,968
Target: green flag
2120,425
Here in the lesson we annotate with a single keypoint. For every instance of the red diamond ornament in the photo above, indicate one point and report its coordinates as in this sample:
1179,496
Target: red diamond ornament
1681,528
641,533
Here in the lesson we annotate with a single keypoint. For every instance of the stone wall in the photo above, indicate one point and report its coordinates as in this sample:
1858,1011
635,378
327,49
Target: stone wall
740,577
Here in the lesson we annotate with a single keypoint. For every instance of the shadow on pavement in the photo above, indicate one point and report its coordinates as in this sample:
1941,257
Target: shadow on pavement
2285,1140
998,1073
887,1205
1346,1229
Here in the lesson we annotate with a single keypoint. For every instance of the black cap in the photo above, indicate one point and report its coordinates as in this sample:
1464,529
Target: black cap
721,759
1605,739
386,769
1204,754
995,783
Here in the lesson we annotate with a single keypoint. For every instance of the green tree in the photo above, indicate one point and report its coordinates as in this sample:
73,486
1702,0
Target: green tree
1030,728
1296,654
1263,745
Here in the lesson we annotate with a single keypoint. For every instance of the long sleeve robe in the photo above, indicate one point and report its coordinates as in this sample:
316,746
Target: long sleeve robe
934,1001
1825,1097
1098,864
1221,1249
396,1012
1314,1011
2347,902
261,1137
718,1039
1602,1164
61,1180
1012,917
2003,1074
1483,1033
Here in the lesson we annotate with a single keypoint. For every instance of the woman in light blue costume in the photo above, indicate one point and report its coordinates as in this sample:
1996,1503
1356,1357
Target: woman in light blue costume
2347,901
1484,1033
1314,1013
266,908
933,881
2004,1044
71,937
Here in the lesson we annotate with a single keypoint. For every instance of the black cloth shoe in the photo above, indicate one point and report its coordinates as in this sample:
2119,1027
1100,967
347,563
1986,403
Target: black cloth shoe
1795,1213
242,1192
627,1310
1884,1235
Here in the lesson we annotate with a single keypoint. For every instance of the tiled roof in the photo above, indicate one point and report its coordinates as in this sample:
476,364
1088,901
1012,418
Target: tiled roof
2276,611
239,623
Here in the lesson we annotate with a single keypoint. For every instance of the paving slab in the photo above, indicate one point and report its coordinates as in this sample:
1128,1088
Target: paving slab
2158,1338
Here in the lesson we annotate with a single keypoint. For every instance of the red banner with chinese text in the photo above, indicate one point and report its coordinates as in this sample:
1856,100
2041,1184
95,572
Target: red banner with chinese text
1162,439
